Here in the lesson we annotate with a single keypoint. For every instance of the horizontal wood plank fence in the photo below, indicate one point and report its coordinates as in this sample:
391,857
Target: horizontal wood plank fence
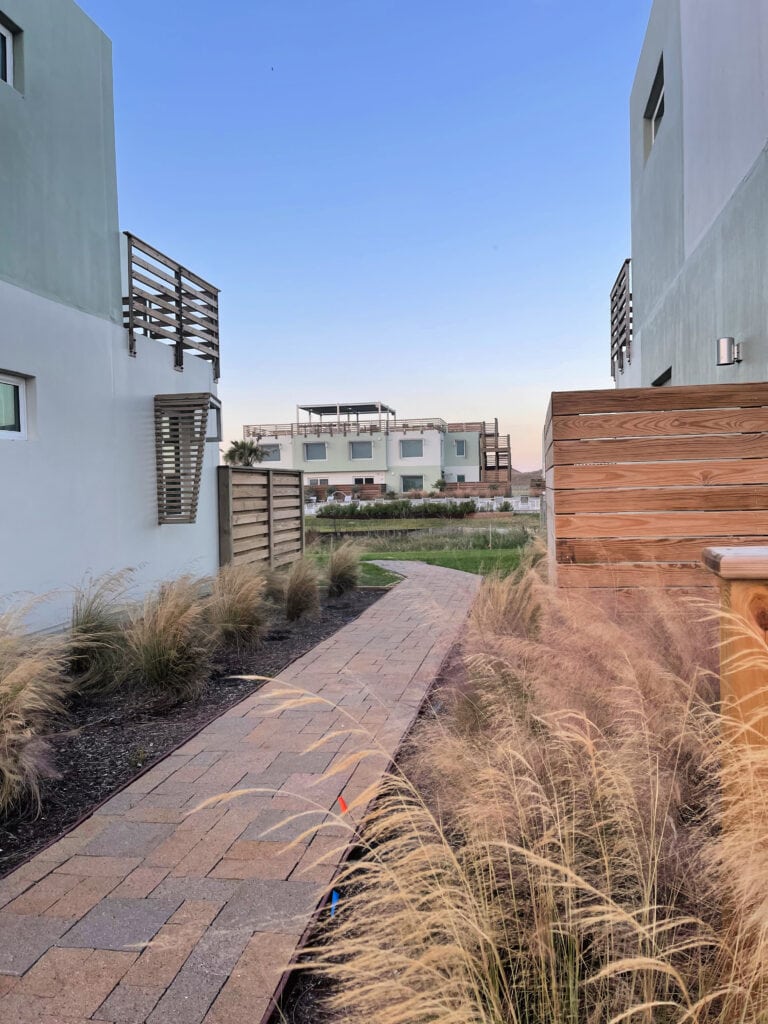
261,515
639,480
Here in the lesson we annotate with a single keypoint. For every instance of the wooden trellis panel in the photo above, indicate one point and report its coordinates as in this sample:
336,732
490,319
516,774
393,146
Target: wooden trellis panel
261,515
168,302
181,423
640,480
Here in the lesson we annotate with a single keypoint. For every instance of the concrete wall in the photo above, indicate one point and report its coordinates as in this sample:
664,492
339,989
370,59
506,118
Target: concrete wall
58,191
700,197
83,495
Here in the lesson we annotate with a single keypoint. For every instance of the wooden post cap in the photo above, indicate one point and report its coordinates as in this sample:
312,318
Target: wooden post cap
743,563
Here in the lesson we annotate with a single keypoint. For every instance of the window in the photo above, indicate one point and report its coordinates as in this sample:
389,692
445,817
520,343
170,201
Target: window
461,449
13,408
6,55
271,452
460,478
654,110
411,449
368,480
214,421
411,483
314,451
359,480
361,449
315,482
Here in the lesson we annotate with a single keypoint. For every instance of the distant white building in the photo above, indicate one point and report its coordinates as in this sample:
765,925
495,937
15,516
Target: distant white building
108,438
365,444
699,168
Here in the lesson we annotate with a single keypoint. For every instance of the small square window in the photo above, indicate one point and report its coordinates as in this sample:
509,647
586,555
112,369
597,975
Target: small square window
412,483
460,478
271,452
461,448
361,449
368,480
13,408
359,480
654,109
314,451
411,449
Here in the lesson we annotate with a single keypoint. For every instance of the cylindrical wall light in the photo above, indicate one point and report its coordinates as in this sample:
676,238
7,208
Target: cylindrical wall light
728,352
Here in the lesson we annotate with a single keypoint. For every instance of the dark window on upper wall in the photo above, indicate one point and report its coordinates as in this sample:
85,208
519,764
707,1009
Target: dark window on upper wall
10,53
654,108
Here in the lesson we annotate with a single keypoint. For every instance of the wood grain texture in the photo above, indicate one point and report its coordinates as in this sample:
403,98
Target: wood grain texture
265,518
660,474
664,499
658,525
737,563
677,549
661,424
660,449
667,399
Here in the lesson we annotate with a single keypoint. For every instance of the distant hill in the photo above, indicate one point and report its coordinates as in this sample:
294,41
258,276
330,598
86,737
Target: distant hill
522,478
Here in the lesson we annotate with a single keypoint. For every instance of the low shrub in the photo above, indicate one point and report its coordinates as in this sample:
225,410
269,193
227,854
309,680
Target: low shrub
343,569
236,608
400,509
169,644
33,687
301,589
97,636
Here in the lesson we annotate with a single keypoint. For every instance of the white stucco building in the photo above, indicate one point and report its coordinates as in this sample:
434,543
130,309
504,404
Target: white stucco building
699,170
107,372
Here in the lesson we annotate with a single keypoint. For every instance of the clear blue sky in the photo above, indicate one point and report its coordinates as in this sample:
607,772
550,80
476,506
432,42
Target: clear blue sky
422,201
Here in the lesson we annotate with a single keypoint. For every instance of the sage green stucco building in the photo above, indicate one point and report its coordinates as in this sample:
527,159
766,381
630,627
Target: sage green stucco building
365,444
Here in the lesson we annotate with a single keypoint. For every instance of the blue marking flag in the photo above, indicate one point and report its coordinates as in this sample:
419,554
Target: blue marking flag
334,901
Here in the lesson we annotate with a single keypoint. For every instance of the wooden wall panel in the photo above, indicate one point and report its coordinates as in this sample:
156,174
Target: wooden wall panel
640,480
261,516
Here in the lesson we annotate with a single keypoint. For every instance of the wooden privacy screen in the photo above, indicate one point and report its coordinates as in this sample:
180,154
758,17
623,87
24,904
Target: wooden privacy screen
640,480
180,427
261,515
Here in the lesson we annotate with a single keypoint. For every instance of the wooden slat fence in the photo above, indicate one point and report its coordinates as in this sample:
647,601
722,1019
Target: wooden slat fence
261,515
639,480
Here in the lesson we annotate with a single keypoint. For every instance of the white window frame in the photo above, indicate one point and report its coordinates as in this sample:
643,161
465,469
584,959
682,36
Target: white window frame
8,36
213,430
21,384
360,458
463,453
411,476
325,450
411,440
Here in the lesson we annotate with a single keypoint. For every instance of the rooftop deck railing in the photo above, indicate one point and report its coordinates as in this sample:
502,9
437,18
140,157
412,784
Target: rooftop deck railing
166,301
621,320
342,427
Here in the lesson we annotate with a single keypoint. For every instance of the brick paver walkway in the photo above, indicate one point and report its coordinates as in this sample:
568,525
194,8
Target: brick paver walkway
149,913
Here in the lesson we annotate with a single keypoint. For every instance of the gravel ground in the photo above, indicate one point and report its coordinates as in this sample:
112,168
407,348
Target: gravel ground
99,747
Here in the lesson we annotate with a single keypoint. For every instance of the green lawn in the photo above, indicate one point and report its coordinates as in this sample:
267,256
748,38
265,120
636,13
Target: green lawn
370,575
503,560
323,525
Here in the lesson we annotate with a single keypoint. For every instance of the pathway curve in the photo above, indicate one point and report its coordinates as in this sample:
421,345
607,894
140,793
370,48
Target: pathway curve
149,913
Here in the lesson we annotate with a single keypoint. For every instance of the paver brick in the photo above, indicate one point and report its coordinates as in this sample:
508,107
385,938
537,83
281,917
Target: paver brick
129,1004
121,924
270,906
200,912
87,866
247,994
23,940
85,895
128,839
140,883
42,894
187,1000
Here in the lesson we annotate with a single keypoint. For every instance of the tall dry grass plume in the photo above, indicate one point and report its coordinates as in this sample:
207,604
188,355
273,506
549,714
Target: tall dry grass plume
343,570
301,589
553,848
33,686
97,637
237,607
169,643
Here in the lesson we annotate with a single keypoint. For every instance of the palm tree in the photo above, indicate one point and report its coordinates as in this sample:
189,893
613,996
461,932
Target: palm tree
244,453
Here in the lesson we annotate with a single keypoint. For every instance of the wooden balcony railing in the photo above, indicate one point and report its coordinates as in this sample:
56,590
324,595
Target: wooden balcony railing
621,320
166,301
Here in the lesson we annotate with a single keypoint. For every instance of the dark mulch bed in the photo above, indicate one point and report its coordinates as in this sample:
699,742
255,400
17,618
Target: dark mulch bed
101,746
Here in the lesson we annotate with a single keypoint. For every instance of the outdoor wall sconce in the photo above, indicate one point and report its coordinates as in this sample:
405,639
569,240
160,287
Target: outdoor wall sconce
728,352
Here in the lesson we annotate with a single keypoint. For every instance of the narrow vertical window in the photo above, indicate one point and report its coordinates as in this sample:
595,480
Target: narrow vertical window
654,109
13,420
6,55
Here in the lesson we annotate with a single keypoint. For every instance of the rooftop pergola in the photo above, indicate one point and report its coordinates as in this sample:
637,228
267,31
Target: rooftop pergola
349,411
